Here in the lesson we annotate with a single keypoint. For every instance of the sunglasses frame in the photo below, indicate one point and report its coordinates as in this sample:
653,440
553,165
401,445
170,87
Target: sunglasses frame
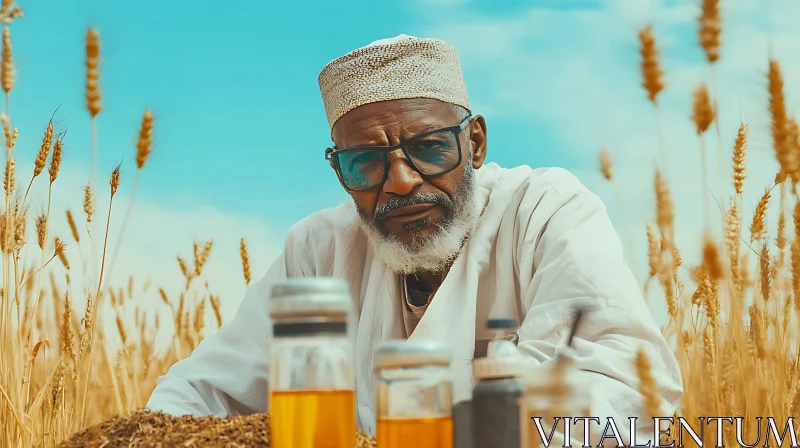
403,146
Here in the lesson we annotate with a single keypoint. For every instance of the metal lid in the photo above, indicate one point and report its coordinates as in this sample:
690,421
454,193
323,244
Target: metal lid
405,353
305,285
301,297
501,323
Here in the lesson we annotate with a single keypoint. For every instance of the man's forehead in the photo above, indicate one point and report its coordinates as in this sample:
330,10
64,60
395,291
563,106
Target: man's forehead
409,116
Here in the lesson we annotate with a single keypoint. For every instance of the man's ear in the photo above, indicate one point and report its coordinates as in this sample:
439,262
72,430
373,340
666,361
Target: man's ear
330,160
477,135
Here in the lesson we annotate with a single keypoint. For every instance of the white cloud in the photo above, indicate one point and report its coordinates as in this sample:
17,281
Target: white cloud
577,73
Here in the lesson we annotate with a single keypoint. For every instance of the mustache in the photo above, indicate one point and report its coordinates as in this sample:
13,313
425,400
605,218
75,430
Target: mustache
396,202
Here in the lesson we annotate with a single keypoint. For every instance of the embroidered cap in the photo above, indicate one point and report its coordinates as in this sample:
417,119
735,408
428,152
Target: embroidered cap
389,69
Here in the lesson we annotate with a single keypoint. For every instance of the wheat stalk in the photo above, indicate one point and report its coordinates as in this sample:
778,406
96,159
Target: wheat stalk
777,109
710,29
143,149
758,226
703,115
245,262
739,147
647,386
652,80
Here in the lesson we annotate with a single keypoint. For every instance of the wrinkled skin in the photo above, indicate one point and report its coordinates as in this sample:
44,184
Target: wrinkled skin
387,123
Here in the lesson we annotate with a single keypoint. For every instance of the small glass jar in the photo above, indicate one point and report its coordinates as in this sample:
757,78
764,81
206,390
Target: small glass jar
502,346
414,395
311,378
550,391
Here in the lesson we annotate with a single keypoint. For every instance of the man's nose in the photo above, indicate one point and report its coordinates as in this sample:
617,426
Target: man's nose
401,179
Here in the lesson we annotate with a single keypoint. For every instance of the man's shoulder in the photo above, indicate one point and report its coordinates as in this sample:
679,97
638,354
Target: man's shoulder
340,219
557,179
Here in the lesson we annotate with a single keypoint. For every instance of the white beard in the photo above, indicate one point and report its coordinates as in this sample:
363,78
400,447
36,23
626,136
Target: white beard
436,253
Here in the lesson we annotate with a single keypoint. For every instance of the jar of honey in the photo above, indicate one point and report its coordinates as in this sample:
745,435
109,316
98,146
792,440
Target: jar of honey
311,377
414,395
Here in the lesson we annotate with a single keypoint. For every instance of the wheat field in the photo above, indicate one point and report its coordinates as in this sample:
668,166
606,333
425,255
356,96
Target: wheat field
733,318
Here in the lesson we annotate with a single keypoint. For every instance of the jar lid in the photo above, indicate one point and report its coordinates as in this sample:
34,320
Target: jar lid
405,353
495,368
301,297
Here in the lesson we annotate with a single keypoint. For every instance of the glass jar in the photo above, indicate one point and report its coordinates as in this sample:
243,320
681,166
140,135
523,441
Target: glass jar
414,395
551,391
311,378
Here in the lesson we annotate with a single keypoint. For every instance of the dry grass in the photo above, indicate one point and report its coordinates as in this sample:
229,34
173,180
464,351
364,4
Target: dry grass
736,335
733,319
64,369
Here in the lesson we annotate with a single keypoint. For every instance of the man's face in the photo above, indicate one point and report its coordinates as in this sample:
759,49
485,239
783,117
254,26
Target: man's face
409,208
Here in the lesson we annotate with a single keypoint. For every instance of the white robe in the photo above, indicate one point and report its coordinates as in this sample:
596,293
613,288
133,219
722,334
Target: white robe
543,243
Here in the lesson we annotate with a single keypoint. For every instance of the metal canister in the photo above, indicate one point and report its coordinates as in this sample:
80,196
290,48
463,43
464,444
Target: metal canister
496,395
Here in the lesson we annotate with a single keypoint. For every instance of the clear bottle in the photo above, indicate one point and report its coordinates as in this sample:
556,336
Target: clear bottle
500,346
414,395
311,379
495,396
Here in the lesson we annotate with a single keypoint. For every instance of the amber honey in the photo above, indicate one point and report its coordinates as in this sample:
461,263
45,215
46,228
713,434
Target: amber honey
435,432
313,419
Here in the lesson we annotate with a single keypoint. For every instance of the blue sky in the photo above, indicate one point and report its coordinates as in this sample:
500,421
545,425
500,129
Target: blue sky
241,130
239,121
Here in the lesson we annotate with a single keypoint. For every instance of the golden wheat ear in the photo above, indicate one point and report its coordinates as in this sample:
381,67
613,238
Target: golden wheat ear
651,69
93,95
710,30
245,261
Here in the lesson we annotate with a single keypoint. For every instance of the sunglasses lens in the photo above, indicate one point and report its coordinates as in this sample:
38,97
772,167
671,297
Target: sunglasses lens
435,153
361,169
431,154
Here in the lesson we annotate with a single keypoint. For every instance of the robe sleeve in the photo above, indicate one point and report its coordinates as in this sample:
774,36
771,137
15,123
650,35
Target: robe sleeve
226,374
576,257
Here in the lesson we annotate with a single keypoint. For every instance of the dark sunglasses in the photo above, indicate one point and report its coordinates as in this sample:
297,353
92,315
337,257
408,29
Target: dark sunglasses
431,154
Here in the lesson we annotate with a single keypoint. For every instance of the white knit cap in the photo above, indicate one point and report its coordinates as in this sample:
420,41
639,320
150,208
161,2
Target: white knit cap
389,69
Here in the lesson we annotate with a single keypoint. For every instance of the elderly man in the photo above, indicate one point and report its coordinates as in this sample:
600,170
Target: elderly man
433,243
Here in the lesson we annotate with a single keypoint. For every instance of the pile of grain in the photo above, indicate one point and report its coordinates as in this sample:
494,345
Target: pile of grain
148,429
